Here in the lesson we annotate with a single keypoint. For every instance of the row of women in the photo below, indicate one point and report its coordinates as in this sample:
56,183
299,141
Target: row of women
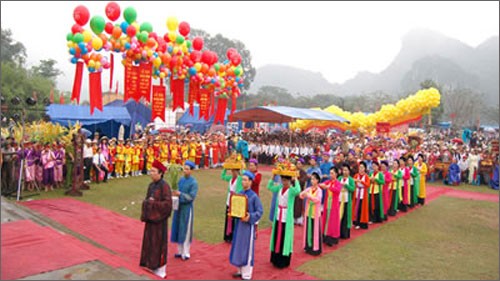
330,208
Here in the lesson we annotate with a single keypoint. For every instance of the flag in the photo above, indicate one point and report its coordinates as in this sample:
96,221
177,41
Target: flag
51,95
95,91
61,98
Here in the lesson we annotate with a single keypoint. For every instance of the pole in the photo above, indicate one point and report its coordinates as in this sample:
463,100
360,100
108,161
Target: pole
22,160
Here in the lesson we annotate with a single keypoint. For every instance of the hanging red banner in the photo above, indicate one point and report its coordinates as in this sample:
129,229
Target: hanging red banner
233,107
204,100
131,78
111,68
95,91
77,82
144,83
221,110
158,103
177,91
212,105
194,93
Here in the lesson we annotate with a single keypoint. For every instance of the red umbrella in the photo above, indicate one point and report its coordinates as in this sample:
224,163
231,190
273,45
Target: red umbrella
457,140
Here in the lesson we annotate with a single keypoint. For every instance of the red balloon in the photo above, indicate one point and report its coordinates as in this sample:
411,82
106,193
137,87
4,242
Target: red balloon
173,62
113,11
195,56
131,31
108,28
206,57
184,28
236,60
198,43
215,58
231,52
165,37
153,35
76,28
81,15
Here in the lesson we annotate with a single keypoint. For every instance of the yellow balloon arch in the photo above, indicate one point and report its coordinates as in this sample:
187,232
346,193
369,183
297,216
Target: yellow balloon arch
406,109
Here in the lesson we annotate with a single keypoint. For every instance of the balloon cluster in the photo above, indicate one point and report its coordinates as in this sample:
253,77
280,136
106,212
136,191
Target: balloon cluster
173,55
417,104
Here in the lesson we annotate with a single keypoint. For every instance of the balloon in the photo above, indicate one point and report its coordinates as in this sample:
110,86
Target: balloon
81,15
151,42
112,11
198,43
109,28
87,36
192,71
184,28
180,39
143,36
172,23
97,24
97,43
146,26
195,56
129,14
197,66
231,52
78,38
76,28
131,31
124,25
172,36
69,36
238,71
236,60
206,57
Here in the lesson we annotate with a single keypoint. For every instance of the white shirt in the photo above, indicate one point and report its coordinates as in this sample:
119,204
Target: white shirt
232,187
98,159
87,151
283,203
344,193
360,189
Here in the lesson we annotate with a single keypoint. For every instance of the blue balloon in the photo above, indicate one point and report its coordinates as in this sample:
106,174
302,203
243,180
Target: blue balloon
127,45
91,69
84,51
124,26
74,60
212,81
170,49
82,46
72,51
192,71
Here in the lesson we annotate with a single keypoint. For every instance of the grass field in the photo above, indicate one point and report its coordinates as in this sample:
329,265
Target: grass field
447,239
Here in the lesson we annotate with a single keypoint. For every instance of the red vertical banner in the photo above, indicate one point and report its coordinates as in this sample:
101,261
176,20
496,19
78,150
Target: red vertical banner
194,92
233,107
116,90
95,91
221,110
145,72
111,68
131,82
158,103
212,104
177,91
204,100
77,82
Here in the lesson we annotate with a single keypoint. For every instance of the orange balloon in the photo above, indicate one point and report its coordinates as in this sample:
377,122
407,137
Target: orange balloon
103,38
117,32
230,71
151,42
211,72
116,45
204,68
222,68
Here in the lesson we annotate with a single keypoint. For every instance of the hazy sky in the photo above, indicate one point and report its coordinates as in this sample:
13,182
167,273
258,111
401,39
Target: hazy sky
338,39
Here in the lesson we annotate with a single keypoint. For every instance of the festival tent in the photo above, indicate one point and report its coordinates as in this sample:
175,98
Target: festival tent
198,124
107,122
139,113
282,114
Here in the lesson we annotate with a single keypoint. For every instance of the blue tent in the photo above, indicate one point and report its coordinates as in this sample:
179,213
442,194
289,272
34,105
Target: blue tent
198,125
107,122
139,113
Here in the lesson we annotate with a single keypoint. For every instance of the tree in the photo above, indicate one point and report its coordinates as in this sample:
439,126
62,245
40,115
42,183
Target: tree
47,69
219,44
463,106
11,51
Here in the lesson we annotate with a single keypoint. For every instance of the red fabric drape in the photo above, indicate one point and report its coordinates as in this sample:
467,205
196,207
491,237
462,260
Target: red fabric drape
116,90
95,91
194,92
212,105
77,82
145,72
131,82
158,103
177,91
204,100
111,68
221,110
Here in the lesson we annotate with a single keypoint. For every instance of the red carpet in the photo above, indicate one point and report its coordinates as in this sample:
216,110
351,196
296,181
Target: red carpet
28,249
123,235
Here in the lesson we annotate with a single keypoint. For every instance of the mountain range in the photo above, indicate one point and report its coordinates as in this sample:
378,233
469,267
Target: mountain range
424,55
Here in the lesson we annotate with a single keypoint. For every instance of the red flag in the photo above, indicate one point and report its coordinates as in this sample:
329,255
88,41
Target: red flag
77,82
61,98
233,107
204,100
194,92
221,110
131,81
158,103
145,72
116,91
95,91
111,67
177,91
52,95
212,105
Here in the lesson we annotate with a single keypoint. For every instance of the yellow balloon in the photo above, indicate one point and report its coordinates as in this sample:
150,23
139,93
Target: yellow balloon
70,44
97,64
97,43
149,53
137,26
172,36
162,75
197,66
91,63
172,23
157,62
184,49
87,36
176,50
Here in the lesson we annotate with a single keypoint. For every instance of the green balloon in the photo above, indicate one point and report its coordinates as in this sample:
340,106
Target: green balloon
179,39
189,43
130,15
69,37
78,38
217,67
146,26
143,36
97,24
237,71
